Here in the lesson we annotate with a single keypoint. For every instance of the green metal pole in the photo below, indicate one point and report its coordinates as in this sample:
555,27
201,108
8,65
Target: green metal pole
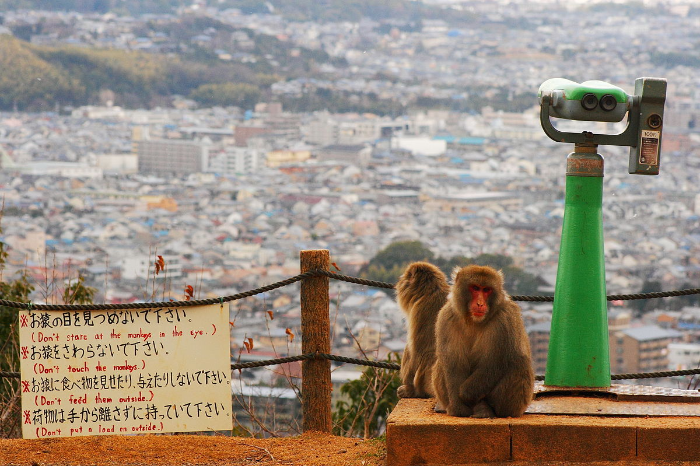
578,346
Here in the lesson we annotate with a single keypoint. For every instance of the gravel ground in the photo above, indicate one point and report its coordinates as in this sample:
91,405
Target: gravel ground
312,449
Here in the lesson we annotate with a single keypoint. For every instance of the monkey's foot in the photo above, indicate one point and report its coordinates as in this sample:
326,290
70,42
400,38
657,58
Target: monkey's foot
439,408
483,410
406,391
460,410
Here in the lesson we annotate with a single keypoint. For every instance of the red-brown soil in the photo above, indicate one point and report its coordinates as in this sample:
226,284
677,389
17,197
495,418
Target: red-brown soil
312,449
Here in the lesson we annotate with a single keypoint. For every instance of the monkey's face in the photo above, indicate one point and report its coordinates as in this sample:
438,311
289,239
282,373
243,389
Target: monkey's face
479,302
477,292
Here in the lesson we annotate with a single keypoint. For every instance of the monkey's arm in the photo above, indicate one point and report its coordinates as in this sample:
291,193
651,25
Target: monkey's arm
451,399
494,361
451,365
479,383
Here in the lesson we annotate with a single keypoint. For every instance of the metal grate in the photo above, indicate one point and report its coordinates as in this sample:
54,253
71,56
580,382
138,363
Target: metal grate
617,400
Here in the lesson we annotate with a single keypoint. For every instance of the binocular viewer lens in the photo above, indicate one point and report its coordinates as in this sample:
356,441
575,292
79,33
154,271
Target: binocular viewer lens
608,102
590,102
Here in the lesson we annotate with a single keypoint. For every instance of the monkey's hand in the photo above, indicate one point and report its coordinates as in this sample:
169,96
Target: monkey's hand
469,395
406,391
477,386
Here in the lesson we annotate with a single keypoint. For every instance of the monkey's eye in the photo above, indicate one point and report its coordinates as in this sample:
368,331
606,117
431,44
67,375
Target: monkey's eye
474,288
487,290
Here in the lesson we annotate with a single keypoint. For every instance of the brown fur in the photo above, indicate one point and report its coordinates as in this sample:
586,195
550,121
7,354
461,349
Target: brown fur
483,366
421,291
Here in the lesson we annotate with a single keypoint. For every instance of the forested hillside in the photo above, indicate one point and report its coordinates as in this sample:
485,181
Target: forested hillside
39,78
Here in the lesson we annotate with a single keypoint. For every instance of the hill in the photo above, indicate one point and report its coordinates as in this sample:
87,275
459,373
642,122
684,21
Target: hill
299,10
40,78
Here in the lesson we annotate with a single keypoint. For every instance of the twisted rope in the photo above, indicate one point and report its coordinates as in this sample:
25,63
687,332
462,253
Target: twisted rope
270,362
654,375
645,375
199,302
653,294
615,297
543,299
356,280
394,366
294,279
619,297
332,357
360,362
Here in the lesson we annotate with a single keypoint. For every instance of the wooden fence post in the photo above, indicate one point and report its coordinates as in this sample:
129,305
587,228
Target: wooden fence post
316,384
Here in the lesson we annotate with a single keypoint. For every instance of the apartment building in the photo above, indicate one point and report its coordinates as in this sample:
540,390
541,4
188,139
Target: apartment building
641,349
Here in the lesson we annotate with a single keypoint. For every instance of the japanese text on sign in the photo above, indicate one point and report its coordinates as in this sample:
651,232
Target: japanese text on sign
124,371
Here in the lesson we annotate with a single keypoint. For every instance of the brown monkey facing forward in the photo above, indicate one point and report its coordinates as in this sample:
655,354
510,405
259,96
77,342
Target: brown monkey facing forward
483,366
421,291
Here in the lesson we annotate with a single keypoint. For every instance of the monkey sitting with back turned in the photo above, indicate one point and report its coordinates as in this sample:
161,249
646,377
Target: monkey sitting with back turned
421,291
483,364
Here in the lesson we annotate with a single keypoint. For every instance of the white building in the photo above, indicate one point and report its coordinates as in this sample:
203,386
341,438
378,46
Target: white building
350,129
118,163
234,160
420,145
63,169
683,356
140,266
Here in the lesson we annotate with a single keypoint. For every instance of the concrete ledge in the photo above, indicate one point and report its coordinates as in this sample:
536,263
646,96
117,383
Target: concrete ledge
571,438
678,439
418,435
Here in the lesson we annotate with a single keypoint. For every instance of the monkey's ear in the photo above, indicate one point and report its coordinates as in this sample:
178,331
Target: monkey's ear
455,271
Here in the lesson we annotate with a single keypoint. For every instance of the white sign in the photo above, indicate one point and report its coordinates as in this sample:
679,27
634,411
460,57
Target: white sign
125,372
649,153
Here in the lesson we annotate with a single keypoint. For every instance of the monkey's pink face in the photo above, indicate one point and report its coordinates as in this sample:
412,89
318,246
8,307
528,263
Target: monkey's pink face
479,305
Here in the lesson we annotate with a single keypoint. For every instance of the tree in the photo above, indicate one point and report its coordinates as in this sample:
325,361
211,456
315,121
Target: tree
19,290
77,293
645,305
516,280
371,398
226,95
682,301
390,263
448,265
27,79
493,260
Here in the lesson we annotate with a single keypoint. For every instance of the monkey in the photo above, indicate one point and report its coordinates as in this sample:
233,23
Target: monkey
421,291
483,363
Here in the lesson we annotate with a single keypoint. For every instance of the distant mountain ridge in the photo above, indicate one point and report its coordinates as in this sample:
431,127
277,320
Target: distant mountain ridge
295,10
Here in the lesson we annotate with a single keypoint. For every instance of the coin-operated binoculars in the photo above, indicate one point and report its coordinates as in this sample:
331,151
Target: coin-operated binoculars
578,347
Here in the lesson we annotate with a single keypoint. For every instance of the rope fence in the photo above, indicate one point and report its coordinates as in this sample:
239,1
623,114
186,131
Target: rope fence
394,366
336,276
332,357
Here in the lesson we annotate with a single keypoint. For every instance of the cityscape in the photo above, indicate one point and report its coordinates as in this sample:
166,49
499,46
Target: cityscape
431,135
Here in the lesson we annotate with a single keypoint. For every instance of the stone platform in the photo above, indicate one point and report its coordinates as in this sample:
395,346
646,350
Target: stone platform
418,435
